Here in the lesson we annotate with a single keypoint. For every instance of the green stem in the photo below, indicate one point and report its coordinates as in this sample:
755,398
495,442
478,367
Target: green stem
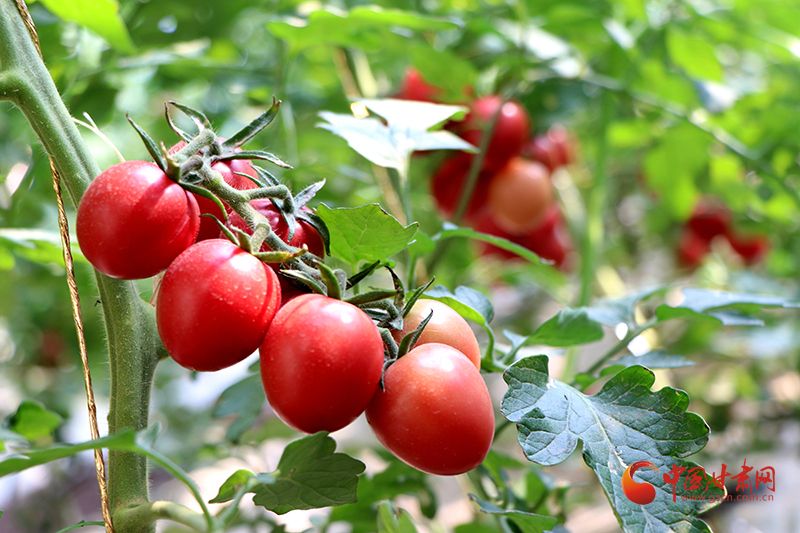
145,515
133,344
621,345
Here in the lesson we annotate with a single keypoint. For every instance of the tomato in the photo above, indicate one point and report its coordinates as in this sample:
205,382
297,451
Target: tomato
751,249
709,220
229,170
133,221
321,362
519,195
435,412
449,181
414,87
692,249
554,149
215,304
304,232
510,133
446,326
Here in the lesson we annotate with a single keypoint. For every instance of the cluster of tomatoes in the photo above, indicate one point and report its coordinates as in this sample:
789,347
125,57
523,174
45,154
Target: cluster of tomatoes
323,360
710,221
513,195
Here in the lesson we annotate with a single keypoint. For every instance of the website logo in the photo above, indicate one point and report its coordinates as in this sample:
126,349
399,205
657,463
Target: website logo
641,493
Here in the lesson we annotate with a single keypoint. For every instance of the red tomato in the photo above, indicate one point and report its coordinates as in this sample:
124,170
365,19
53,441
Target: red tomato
446,326
549,240
229,170
554,149
449,181
435,412
510,132
215,304
416,88
133,221
751,249
320,363
709,220
519,195
304,232
692,249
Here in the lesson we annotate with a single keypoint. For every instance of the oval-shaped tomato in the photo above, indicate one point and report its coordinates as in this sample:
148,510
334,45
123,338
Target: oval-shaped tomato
553,149
133,221
414,87
510,133
230,171
710,220
519,195
435,412
304,232
215,304
449,181
446,326
320,363
751,248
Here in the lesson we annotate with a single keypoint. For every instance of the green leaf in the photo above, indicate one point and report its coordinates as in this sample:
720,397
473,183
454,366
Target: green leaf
568,328
388,522
389,145
244,399
233,484
469,303
611,312
623,423
37,245
731,309
33,421
656,359
694,55
309,476
459,74
527,522
100,16
366,233
361,28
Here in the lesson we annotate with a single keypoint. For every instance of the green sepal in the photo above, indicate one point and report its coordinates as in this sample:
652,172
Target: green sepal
318,224
306,279
265,178
407,343
260,155
371,296
152,148
205,193
187,138
197,117
278,257
252,129
307,194
359,276
333,279
415,295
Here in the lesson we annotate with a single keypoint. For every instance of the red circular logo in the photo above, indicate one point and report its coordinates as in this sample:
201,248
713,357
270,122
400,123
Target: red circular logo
641,493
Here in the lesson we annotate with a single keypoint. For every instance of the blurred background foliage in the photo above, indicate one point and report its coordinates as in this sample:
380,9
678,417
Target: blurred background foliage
671,101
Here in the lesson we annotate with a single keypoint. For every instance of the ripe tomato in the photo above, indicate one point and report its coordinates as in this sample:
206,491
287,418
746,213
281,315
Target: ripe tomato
554,149
133,221
510,132
446,326
304,232
519,195
215,304
320,363
229,170
692,249
449,181
751,249
709,220
414,87
435,412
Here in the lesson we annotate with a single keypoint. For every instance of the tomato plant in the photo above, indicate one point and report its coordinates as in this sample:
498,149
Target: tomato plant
215,304
448,184
435,412
414,87
519,195
304,232
446,326
510,133
321,362
133,221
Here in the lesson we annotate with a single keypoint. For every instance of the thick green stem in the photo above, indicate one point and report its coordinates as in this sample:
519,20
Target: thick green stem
145,515
133,344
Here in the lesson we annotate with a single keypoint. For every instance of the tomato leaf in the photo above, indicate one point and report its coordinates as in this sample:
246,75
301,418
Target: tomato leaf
527,522
366,233
244,399
731,309
568,328
613,311
100,16
655,359
233,484
259,123
623,423
391,522
33,421
309,476
37,245
469,303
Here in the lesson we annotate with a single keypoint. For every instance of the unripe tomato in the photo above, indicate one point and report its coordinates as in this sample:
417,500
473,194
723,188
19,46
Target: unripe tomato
133,221
450,179
519,195
446,326
510,132
321,362
230,171
304,232
435,412
215,304
414,87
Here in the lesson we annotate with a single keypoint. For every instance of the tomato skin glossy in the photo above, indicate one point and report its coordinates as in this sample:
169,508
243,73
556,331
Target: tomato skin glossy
510,134
519,195
230,171
133,221
215,304
304,232
446,326
435,412
320,363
